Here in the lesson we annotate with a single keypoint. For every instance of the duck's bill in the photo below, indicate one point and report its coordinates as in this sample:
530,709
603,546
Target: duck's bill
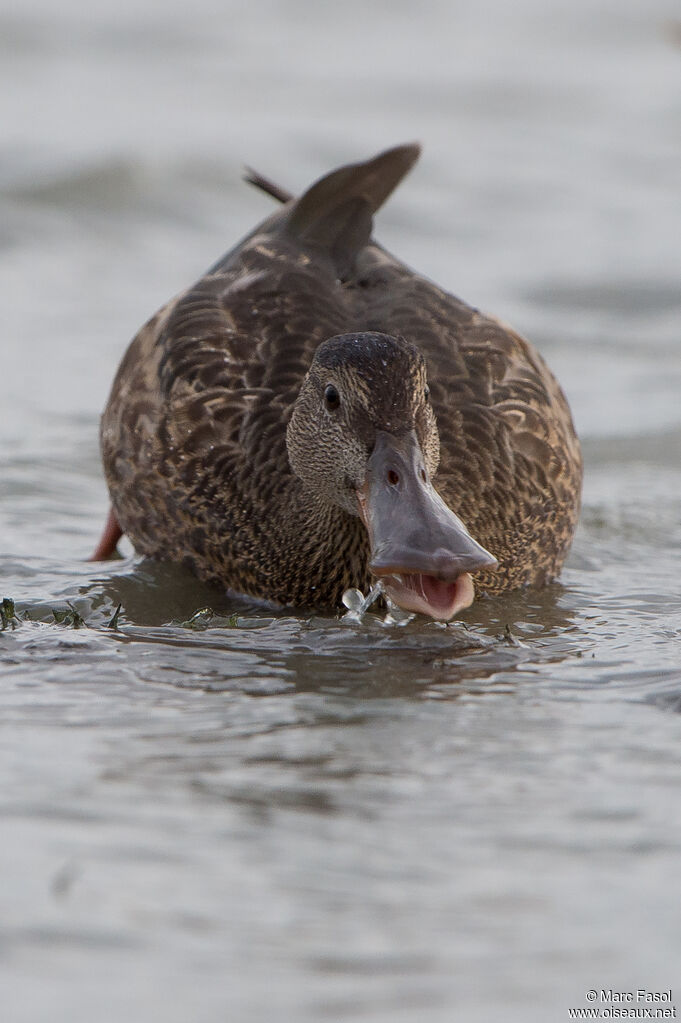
420,549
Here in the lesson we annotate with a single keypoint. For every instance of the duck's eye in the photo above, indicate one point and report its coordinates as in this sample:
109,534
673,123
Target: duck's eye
331,397
426,393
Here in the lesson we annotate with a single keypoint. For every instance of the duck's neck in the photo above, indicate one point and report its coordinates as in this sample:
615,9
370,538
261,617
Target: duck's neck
318,548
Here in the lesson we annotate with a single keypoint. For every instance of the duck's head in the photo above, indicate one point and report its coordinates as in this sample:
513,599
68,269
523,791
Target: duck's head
363,436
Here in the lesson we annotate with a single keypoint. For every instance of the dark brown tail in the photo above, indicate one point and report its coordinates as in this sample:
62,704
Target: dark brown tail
336,213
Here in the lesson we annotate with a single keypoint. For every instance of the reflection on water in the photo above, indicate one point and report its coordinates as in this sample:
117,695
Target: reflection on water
258,814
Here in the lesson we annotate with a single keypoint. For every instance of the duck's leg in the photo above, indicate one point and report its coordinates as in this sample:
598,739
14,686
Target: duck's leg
106,548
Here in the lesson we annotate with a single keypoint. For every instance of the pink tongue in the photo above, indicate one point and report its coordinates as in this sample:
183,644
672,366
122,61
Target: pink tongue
430,596
438,593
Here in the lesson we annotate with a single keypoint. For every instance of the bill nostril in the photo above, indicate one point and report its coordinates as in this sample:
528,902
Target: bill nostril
422,474
393,477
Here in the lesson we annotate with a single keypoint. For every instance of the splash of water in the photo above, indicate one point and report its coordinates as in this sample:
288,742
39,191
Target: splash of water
357,605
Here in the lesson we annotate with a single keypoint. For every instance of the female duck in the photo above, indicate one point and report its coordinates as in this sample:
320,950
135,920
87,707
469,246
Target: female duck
282,426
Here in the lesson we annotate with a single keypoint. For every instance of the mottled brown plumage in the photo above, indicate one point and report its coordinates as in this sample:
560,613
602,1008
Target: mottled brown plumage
194,437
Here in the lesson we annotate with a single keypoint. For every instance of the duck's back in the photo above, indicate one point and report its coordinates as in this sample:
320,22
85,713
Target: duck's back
194,432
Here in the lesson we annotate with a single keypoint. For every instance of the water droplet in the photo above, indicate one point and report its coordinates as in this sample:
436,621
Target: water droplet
353,599
357,604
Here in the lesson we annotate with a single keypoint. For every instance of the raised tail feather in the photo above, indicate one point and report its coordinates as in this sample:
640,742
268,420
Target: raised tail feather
336,212
266,185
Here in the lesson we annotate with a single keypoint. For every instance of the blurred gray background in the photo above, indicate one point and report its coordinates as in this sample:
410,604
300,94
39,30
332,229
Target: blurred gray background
391,832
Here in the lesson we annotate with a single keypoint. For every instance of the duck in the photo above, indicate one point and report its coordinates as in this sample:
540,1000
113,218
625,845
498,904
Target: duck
313,416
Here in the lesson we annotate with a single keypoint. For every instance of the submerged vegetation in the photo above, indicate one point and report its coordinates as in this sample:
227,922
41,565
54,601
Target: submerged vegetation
70,617
113,624
206,616
8,615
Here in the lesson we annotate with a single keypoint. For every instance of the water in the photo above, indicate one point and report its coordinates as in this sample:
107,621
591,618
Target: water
258,815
